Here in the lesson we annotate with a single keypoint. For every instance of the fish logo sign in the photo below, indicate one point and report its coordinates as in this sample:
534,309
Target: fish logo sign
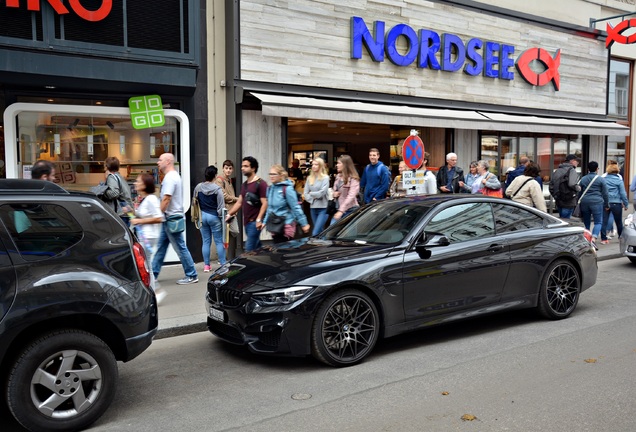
614,34
551,72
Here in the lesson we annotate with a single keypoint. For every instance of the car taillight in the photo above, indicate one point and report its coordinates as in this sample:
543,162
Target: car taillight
588,236
142,263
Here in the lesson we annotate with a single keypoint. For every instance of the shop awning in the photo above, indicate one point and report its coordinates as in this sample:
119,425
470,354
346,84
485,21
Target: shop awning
364,112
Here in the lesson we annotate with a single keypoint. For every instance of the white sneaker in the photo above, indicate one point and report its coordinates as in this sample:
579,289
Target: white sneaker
160,294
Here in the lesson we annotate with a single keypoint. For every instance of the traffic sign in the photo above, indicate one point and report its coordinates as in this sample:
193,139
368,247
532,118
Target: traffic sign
413,151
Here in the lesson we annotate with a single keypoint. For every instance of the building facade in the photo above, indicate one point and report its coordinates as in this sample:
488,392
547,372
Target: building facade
486,80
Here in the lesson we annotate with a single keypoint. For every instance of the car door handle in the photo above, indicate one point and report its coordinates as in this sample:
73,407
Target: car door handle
495,248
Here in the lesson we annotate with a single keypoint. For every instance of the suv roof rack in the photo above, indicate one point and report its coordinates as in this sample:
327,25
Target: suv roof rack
16,186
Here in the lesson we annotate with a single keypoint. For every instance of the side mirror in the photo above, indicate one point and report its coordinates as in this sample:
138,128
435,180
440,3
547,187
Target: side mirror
433,239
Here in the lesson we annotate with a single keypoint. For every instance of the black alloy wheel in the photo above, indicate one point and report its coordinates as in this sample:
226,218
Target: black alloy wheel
345,329
559,291
63,380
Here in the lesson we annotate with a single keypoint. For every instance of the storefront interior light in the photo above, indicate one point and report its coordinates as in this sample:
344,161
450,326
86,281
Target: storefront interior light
50,87
50,100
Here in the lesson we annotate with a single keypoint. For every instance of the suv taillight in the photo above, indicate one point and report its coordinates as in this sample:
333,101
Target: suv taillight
142,263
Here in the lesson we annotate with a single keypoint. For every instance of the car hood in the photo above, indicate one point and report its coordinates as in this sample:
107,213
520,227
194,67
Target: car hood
292,262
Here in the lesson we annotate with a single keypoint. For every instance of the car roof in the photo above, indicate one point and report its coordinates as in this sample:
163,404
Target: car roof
29,187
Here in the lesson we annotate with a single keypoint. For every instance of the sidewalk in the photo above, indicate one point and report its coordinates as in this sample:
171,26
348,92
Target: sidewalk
183,310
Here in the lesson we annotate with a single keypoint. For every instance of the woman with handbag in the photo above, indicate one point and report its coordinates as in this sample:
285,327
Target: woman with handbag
617,200
593,198
486,181
346,188
210,197
283,210
316,189
525,189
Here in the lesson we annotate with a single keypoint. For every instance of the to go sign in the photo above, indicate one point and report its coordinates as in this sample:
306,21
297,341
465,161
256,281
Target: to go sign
146,111
76,5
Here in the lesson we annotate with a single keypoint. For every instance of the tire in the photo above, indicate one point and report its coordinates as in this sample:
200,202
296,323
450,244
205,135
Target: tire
345,329
632,259
73,371
560,290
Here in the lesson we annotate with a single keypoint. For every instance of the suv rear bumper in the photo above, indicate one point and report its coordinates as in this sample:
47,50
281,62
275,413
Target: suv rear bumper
138,344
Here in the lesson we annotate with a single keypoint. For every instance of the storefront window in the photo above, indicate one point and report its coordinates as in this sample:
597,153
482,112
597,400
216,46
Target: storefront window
509,153
490,151
616,151
619,89
78,145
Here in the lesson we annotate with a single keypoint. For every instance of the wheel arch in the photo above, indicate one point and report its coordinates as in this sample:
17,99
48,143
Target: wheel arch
94,324
569,258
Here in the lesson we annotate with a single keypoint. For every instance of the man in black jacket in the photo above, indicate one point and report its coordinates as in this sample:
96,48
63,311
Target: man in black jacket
564,186
449,176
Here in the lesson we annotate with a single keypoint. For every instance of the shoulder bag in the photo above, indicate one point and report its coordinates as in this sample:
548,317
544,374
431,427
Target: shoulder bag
491,192
577,210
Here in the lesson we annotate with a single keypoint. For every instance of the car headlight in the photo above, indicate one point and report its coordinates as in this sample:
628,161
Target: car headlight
278,300
629,221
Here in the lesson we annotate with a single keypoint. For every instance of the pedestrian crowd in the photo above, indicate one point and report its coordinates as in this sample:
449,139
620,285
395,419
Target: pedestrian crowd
276,205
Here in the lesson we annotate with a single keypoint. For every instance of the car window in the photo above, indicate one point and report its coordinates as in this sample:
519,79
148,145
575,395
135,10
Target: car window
464,222
510,218
40,231
384,223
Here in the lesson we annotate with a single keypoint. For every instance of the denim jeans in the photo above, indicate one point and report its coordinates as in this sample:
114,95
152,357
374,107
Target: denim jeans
211,226
178,243
592,210
565,213
253,237
616,210
319,218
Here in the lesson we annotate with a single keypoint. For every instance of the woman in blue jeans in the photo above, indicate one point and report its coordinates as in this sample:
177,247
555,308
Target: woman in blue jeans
593,199
617,198
316,188
212,203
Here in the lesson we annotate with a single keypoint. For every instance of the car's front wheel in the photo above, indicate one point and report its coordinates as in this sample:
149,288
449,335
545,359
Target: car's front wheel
559,291
63,380
345,328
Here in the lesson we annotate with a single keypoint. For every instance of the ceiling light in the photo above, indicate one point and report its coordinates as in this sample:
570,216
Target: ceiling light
50,100
98,103
50,87
309,120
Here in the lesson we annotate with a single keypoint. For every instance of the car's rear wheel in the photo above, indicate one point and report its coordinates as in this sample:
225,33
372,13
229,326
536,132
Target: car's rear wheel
345,328
559,291
64,380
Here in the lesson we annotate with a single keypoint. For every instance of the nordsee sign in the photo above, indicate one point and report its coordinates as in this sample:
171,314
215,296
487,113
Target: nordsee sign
475,57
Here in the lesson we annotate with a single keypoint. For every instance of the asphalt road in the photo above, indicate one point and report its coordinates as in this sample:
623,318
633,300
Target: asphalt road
512,372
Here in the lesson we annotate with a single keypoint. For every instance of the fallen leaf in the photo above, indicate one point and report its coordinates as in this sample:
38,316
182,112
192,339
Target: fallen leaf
468,417
445,393
590,360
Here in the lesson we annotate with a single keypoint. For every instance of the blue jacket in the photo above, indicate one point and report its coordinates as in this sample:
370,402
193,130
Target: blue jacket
284,205
597,193
519,171
375,181
616,190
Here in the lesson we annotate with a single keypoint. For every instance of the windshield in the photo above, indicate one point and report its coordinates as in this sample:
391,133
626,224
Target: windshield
384,223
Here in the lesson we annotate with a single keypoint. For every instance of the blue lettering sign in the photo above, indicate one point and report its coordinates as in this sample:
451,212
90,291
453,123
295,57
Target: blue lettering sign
446,52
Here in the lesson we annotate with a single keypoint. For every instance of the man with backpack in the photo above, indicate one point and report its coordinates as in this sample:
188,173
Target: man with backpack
375,178
253,202
564,186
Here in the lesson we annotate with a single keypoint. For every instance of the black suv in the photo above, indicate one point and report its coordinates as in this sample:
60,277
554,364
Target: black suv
76,295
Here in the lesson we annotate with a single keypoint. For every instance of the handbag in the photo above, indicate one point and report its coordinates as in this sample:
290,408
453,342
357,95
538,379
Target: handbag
233,227
577,211
498,193
99,190
275,224
175,223
195,212
332,207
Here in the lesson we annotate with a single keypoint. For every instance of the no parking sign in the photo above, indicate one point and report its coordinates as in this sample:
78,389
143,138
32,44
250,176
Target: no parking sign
413,151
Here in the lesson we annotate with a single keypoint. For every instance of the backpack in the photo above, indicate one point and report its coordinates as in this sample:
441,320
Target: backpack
563,191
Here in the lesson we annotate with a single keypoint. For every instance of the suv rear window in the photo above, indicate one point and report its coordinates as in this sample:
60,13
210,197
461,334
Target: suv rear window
40,231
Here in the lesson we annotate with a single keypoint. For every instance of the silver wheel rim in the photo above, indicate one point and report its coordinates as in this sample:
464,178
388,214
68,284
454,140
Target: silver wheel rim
562,289
349,329
66,384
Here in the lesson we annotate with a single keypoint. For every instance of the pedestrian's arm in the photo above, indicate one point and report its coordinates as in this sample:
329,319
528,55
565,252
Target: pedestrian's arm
165,202
236,207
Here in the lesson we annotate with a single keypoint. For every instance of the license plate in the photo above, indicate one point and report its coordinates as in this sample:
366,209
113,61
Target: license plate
216,314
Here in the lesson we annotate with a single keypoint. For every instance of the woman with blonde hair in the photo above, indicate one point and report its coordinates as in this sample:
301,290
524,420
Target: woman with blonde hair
346,188
316,188
283,210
